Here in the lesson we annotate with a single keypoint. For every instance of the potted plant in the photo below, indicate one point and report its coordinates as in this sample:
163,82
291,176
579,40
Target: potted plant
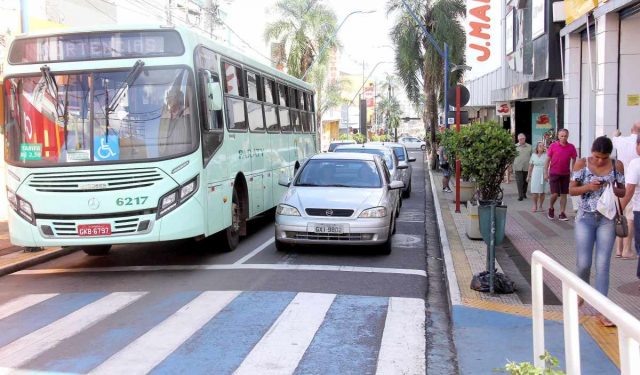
485,150
451,141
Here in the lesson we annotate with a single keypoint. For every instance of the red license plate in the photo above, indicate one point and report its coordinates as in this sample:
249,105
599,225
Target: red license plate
86,230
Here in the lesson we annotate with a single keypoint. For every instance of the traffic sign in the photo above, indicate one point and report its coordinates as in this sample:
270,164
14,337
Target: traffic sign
464,96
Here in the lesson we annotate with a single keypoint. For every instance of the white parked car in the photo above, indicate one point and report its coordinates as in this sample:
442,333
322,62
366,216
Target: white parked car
341,199
413,143
403,159
334,144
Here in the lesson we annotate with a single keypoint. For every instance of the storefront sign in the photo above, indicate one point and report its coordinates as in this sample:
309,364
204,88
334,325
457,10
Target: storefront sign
575,9
508,32
484,36
503,109
537,18
633,100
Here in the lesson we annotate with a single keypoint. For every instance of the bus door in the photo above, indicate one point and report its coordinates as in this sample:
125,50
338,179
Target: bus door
259,142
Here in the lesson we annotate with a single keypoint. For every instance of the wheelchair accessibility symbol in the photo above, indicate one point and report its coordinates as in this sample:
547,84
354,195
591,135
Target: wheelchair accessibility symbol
106,148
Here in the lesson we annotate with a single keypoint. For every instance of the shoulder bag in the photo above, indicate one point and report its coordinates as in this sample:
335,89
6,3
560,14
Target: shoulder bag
622,227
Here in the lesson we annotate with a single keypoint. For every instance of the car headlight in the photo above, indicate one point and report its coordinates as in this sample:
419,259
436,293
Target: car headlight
176,197
374,212
21,206
286,210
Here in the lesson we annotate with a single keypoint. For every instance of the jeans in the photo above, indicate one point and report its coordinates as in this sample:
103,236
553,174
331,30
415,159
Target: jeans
594,229
521,183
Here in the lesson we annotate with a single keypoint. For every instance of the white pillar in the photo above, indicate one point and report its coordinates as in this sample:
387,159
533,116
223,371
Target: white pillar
571,86
607,39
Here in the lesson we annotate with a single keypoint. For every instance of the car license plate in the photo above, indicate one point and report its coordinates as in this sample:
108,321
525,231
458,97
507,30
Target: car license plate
87,230
327,228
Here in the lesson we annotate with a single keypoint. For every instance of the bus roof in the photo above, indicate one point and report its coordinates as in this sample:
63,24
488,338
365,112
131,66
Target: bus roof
189,38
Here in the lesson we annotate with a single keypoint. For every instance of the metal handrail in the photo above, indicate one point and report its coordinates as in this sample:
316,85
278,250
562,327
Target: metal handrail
572,286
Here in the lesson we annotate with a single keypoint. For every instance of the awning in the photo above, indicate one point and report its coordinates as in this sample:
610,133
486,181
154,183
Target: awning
528,90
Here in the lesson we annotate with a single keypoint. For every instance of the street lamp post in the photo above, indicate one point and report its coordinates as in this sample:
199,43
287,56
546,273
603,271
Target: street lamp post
326,44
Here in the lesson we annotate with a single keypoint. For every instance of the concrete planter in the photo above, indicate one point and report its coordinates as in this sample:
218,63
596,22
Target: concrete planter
467,190
472,222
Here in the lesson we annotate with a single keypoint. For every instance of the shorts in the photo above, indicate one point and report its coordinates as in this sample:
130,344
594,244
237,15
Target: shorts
559,184
446,170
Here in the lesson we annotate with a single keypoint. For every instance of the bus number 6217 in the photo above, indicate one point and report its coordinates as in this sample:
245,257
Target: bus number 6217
130,201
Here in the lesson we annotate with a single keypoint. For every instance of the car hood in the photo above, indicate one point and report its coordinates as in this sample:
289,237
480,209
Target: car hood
333,197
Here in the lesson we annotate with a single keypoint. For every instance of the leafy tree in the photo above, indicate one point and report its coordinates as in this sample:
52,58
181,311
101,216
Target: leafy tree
418,63
304,28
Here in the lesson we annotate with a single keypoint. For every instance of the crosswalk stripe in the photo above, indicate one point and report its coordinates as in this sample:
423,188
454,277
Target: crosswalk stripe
281,349
22,303
142,355
25,348
403,342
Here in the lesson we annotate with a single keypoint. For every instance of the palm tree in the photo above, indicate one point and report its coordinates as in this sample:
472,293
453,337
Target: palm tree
390,109
305,26
418,63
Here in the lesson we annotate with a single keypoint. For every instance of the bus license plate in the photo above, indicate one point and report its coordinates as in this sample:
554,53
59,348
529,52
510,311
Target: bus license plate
327,228
87,230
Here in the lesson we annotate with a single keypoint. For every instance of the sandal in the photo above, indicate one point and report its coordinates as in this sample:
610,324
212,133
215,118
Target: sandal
605,322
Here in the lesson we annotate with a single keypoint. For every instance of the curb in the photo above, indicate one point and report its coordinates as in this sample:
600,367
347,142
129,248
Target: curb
451,279
35,260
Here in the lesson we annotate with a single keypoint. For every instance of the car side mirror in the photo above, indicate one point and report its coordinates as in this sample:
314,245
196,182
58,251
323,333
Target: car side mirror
394,185
403,166
284,181
411,160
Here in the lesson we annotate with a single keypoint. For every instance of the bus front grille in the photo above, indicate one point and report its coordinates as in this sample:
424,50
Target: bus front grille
94,181
119,227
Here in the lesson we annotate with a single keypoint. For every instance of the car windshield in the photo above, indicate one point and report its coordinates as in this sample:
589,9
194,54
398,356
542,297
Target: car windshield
99,117
386,156
339,173
399,151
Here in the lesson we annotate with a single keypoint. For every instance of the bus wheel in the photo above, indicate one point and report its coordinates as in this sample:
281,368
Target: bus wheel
231,235
97,250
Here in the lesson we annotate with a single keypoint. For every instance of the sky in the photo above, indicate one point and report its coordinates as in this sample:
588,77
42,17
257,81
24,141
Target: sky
364,37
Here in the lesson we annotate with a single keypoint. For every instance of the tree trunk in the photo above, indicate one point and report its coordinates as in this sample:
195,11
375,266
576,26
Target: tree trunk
431,120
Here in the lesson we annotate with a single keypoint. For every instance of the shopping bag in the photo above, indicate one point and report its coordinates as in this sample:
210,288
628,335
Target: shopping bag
607,203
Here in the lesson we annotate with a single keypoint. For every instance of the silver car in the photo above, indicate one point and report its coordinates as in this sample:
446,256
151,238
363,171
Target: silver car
339,198
387,155
403,159
334,144
413,143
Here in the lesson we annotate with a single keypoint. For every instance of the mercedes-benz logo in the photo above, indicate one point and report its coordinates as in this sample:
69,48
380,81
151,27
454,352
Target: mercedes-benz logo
329,212
93,203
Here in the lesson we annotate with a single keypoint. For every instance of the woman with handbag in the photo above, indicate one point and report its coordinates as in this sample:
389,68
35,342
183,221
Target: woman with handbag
590,179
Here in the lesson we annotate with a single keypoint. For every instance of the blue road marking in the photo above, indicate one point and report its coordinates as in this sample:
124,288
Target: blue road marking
97,344
222,344
348,341
42,314
485,340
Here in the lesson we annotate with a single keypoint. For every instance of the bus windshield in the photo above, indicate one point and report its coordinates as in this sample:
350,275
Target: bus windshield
99,117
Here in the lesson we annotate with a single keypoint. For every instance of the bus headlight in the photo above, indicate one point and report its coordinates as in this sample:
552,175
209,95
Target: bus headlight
21,206
176,197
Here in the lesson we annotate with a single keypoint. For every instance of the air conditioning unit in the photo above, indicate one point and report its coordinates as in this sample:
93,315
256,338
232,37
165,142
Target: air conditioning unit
558,12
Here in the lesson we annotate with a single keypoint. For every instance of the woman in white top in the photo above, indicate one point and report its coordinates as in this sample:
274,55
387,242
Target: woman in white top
535,177
632,196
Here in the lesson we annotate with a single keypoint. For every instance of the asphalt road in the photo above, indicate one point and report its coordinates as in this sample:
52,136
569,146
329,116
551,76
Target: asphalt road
183,307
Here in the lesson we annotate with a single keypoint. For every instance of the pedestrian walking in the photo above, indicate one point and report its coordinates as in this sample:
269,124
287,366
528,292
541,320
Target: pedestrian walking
445,166
557,170
535,177
632,197
625,152
521,165
591,175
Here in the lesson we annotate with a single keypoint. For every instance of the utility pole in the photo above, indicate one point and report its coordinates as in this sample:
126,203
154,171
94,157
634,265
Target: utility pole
169,20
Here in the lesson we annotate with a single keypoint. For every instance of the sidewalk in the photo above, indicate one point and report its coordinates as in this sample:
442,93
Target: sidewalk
14,258
504,321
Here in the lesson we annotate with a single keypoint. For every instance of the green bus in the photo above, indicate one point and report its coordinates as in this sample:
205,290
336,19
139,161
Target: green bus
139,135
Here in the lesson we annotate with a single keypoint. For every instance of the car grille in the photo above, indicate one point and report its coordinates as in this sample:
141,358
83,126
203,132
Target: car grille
334,212
95,181
329,236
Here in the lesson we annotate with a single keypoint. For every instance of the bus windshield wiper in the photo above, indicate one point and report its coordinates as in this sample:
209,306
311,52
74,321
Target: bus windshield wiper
131,78
113,103
52,87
